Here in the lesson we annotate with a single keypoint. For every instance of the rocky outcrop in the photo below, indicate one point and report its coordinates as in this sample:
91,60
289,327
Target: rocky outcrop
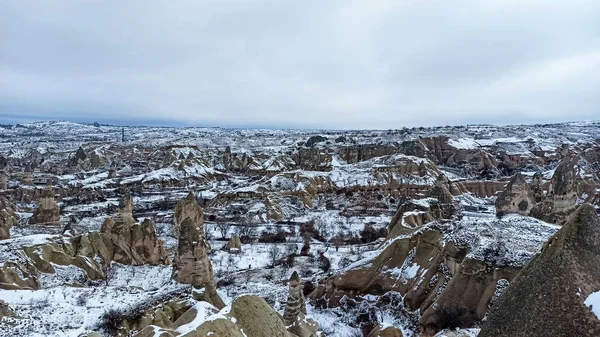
295,302
413,214
6,311
133,244
294,315
358,153
547,297
257,318
385,331
47,212
8,218
248,316
563,188
192,265
313,159
92,252
234,245
187,207
125,215
517,197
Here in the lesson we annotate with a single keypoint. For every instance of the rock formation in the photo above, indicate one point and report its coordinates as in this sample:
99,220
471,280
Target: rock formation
385,331
133,244
564,185
248,316
295,302
192,265
125,215
187,207
234,245
294,315
47,212
8,218
3,173
517,197
547,297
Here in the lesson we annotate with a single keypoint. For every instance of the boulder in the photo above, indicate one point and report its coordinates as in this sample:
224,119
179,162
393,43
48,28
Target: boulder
257,318
547,297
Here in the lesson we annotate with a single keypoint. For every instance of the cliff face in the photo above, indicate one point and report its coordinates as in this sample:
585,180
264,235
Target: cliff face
47,212
547,297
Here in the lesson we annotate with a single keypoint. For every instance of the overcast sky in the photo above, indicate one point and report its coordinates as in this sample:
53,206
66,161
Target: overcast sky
300,64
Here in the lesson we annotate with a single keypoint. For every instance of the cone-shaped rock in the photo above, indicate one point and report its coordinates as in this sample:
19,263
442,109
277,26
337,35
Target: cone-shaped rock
192,265
234,245
295,302
8,218
125,216
187,207
547,297
47,212
516,197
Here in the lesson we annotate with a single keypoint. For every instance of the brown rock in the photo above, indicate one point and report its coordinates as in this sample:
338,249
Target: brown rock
187,207
47,212
191,264
517,197
547,297
388,331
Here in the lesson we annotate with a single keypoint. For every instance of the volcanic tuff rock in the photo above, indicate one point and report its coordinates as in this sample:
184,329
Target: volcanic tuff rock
47,212
294,315
125,215
133,244
385,331
8,218
295,302
248,315
517,197
234,245
187,207
547,297
192,265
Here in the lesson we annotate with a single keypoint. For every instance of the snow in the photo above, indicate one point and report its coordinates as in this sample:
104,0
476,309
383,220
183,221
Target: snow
593,302
203,310
463,143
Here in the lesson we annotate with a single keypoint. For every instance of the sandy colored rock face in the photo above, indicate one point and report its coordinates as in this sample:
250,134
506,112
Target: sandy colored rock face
516,197
234,245
547,297
389,331
47,212
187,207
257,318
295,302
8,218
133,244
191,263
125,215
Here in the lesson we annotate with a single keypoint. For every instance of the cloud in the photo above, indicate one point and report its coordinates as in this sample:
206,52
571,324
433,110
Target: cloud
318,64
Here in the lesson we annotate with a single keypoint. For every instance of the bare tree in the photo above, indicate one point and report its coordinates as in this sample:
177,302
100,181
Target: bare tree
274,254
223,227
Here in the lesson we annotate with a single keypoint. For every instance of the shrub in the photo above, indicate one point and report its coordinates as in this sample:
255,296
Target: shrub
111,321
278,237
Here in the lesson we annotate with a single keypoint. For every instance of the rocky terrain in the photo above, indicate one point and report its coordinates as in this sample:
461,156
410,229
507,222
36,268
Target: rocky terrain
448,231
